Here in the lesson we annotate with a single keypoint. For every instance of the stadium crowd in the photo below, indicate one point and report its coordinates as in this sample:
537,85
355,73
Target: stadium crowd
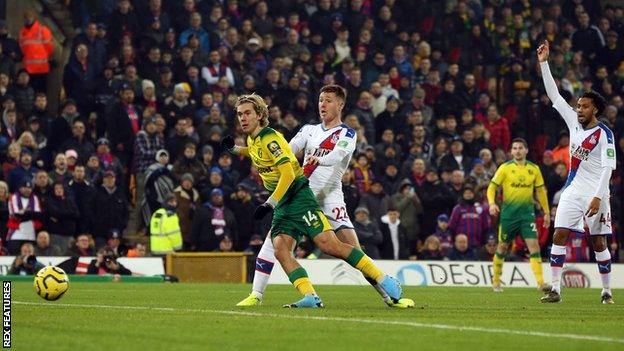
436,92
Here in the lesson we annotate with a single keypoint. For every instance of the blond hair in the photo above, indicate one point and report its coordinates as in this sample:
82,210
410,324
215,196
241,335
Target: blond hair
259,105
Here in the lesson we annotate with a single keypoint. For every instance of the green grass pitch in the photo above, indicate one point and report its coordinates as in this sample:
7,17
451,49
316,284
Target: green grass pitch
126,316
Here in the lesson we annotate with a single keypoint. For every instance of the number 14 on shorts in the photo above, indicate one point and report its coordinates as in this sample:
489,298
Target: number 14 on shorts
311,219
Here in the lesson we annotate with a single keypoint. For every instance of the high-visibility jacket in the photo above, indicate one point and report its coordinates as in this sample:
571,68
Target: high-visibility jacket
37,47
165,234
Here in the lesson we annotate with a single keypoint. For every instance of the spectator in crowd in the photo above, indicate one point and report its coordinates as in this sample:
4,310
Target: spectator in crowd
139,250
395,244
470,217
83,192
431,249
111,209
45,248
212,221
368,233
147,143
226,244
82,247
486,253
435,96
123,123
25,262
105,263
444,235
242,207
188,202
189,164
24,169
113,243
408,204
24,217
61,213
461,250
79,142
37,46
158,182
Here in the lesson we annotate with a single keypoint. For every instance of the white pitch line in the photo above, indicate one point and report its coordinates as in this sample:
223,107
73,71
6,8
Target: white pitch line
340,319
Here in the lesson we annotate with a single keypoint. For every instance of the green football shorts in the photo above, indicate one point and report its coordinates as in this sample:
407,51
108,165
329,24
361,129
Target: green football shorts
299,213
511,227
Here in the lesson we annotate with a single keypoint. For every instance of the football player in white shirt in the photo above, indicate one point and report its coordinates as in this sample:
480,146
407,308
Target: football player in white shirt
585,198
327,151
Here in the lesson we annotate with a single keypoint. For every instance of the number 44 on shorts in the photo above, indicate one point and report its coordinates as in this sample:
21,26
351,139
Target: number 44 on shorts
311,219
606,220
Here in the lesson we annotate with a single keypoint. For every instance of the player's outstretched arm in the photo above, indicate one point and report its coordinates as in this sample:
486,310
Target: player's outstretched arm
559,103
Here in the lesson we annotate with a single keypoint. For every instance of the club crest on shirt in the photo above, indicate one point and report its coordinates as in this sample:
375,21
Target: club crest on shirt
592,140
275,149
334,139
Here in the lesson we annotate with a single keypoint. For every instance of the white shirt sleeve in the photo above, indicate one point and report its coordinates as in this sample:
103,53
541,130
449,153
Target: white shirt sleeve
607,150
566,111
344,146
300,140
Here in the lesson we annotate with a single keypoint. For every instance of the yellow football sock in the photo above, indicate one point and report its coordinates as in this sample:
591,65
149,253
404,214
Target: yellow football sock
498,261
299,278
536,266
360,261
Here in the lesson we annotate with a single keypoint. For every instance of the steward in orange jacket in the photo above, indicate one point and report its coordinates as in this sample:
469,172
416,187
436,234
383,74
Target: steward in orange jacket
35,40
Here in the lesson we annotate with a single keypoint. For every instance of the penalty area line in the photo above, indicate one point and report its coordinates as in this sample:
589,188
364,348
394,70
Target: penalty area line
339,319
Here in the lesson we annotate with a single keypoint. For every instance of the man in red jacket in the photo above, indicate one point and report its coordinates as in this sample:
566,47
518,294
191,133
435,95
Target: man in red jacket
35,40
498,128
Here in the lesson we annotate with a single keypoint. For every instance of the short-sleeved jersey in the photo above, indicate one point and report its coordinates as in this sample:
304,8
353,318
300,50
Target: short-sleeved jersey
518,184
325,181
590,151
268,150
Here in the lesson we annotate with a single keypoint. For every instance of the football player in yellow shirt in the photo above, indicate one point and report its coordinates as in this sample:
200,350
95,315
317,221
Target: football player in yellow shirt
519,179
296,212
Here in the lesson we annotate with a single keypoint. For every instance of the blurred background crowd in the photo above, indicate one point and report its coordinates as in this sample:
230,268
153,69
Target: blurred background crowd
436,92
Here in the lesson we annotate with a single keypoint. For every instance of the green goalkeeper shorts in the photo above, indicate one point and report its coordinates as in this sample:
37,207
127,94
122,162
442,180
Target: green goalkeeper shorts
299,213
510,228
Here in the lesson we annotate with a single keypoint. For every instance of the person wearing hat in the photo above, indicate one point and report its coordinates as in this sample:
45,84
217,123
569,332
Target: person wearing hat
212,222
148,97
158,181
37,46
111,208
115,244
179,105
470,217
188,201
24,216
108,160
61,214
487,251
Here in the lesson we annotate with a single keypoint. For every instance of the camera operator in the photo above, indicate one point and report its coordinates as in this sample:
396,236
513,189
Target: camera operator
106,263
26,262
